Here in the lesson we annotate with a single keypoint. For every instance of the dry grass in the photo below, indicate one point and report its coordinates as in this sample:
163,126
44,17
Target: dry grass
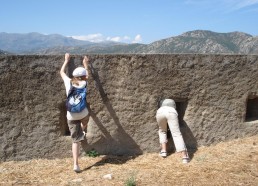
228,163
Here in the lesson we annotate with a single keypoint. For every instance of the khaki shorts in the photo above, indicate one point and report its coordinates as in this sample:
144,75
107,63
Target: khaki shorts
75,128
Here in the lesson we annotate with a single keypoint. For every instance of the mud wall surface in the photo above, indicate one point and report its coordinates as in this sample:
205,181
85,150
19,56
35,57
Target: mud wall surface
216,98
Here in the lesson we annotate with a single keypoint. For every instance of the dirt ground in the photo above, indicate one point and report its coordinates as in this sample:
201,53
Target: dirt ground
227,163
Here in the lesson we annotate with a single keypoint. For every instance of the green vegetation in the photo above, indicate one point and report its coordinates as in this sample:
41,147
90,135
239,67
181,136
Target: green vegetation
130,181
93,153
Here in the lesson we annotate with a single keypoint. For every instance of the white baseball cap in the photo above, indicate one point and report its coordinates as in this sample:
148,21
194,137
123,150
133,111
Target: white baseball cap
79,71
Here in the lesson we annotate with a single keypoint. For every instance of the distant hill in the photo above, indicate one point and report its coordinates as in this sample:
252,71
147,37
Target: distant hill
97,48
197,41
24,43
201,41
3,52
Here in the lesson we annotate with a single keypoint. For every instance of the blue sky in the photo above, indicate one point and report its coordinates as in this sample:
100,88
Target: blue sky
130,21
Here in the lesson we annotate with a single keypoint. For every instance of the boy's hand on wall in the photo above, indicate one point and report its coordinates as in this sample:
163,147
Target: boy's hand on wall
85,61
67,57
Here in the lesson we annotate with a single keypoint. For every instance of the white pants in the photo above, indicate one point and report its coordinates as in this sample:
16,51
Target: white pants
168,115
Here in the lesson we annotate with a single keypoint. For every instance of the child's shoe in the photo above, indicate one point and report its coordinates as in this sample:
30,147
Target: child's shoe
163,154
76,168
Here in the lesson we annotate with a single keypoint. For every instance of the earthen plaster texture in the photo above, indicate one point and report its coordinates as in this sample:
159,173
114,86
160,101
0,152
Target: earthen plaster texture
123,93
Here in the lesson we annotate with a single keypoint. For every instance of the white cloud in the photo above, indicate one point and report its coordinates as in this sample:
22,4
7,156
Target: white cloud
91,37
100,38
229,5
115,39
239,4
137,39
119,39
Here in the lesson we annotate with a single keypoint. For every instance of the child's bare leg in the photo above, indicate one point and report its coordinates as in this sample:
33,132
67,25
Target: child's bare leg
84,123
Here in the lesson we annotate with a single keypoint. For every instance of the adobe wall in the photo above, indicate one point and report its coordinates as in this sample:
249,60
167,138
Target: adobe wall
212,94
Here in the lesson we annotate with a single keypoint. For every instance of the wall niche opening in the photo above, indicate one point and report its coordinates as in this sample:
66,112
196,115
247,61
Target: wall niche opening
64,129
181,108
251,109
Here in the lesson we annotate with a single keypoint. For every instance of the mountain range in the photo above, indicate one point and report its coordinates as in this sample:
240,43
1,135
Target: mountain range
3,52
197,41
